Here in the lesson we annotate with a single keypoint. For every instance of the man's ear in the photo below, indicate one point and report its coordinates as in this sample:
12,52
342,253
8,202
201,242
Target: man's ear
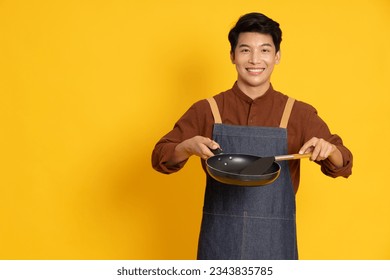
232,57
278,56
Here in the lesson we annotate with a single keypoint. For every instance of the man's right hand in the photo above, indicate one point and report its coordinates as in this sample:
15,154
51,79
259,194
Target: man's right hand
198,145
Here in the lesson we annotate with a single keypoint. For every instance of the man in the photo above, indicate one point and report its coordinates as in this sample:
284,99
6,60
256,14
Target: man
252,222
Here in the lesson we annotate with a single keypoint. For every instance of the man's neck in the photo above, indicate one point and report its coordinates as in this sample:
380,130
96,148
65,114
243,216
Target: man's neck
253,92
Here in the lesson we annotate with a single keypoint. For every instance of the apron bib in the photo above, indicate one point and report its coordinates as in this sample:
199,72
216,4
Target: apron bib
250,222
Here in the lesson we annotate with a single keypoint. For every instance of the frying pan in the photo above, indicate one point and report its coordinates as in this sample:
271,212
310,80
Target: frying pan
240,169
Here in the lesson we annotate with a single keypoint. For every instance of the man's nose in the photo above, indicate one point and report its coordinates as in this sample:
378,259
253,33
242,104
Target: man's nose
254,57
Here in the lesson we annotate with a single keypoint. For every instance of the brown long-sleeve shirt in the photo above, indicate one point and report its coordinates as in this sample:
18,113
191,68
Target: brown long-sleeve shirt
237,108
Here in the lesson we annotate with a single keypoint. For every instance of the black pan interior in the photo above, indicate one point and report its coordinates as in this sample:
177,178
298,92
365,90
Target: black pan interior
232,163
226,168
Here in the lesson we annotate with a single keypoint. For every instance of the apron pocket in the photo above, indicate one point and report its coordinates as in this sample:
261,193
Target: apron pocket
235,237
269,239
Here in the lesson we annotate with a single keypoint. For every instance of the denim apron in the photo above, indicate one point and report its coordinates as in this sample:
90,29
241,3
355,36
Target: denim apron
250,222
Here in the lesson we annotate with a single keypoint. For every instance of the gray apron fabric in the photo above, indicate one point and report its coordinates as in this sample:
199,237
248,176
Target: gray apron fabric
249,222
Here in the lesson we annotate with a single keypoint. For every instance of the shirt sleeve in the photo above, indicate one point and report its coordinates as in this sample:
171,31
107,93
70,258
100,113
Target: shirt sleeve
196,121
316,127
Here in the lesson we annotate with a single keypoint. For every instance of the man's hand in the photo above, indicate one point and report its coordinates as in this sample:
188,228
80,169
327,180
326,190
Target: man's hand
197,145
322,150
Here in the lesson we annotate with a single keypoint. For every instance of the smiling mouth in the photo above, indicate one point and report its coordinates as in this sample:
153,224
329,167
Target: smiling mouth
255,70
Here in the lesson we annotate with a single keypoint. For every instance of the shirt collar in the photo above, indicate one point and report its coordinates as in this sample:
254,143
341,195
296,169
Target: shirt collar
238,92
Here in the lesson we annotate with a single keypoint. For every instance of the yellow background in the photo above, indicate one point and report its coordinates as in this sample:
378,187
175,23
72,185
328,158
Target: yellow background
88,87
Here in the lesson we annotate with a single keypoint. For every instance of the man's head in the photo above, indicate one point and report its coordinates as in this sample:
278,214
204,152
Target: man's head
255,22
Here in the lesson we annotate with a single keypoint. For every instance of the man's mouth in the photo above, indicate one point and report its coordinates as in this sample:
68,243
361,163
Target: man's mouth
255,70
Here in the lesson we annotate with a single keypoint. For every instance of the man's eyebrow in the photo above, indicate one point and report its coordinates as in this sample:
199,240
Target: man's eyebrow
262,45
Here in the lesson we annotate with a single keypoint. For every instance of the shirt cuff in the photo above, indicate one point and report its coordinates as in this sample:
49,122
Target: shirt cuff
166,153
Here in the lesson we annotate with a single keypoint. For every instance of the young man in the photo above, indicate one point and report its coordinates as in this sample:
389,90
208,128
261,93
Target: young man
252,222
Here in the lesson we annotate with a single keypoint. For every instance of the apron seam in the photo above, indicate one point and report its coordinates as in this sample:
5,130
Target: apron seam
243,241
245,215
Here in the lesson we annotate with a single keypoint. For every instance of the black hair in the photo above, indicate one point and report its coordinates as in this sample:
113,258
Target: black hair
255,22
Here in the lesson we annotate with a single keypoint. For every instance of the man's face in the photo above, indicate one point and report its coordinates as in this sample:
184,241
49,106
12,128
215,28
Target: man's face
255,57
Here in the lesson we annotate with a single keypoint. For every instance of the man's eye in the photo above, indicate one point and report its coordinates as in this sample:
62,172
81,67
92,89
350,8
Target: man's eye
244,50
265,50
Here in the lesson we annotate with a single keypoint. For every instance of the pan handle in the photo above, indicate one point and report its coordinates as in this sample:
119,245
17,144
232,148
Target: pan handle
292,156
216,151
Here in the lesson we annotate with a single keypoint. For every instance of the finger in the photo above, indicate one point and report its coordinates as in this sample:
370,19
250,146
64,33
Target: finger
315,153
319,150
206,146
206,153
328,151
211,144
308,146
324,149
309,150
214,145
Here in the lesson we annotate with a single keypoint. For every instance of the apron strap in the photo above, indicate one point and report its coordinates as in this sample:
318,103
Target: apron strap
283,122
214,110
287,112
